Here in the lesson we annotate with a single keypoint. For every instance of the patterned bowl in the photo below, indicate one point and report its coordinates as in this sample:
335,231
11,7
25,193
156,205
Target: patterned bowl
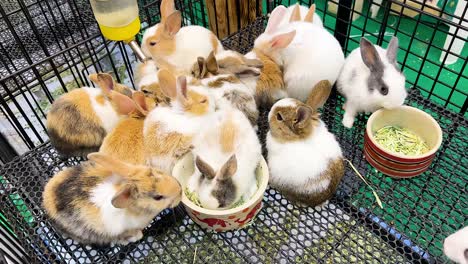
221,220
394,164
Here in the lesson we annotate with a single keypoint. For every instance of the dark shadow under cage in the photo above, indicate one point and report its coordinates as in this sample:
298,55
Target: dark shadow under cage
49,47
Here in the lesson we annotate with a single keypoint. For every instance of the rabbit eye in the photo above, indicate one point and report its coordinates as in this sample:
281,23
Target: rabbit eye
279,117
384,90
152,43
203,101
158,197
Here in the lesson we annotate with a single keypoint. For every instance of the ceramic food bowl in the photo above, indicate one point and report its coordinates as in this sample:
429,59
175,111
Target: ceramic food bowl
221,220
395,164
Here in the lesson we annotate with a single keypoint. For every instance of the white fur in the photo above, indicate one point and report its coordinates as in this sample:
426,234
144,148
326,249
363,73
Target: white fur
247,149
303,10
148,74
191,42
313,55
358,96
174,119
292,164
456,244
106,113
115,220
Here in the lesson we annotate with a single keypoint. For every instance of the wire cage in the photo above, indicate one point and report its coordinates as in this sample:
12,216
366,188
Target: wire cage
49,47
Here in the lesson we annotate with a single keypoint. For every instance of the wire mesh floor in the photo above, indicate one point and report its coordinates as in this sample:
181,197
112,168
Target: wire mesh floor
418,213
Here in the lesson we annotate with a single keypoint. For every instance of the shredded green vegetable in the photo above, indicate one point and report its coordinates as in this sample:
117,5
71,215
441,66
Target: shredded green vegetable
401,140
193,196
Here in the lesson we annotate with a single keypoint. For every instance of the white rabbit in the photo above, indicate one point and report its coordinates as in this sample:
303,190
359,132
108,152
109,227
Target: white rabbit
456,246
370,79
175,47
308,53
303,13
226,154
305,160
169,130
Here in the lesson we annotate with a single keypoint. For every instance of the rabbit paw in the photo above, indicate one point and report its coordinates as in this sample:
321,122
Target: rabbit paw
136,236
348,122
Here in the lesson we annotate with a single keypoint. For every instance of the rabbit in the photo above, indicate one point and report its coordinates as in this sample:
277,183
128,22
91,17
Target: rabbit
299,12
79,120
147,82
267,85
226,154
370,79
224,83
307,53
305,159
168,130
456,246
175,47
107,201
125,141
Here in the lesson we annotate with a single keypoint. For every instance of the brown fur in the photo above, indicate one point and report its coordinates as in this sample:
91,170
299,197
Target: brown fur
228,136
100,99
157,143
319,94
196,104
66,197
296,14
154,91
214,42
310,14
269,82
73,127
220,81
334,173
287,129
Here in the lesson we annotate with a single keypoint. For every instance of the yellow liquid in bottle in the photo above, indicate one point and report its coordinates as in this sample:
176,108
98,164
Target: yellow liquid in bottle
121,25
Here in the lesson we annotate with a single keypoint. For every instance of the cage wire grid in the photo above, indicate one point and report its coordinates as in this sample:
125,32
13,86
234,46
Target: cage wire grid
418,213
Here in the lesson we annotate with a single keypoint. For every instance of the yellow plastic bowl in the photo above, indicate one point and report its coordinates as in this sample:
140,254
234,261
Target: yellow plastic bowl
221,220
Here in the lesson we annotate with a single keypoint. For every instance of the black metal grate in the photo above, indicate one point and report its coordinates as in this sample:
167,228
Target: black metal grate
58,42
418,213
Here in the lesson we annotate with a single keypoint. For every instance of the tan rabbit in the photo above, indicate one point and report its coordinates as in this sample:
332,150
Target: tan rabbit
79,120
305,159
175,47
168,130
106,201
125,142
146,78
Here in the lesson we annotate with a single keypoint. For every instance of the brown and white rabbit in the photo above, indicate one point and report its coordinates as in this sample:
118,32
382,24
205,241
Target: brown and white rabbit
105,201
79,120
146,77
168,130
305,160
225,85
125,141
175,47
266,81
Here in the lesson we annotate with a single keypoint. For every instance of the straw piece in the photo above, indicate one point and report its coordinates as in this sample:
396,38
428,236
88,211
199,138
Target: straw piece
377,198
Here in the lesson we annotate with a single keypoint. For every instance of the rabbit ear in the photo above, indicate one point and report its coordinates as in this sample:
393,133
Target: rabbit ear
276,17
199,68
167,8
310,14
173,23
140,102
123,198
370,56
205,169
167,83
182,88
105,81
392,50
319,94
303,114
296,14
281,41
229,168
212,64
123,104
